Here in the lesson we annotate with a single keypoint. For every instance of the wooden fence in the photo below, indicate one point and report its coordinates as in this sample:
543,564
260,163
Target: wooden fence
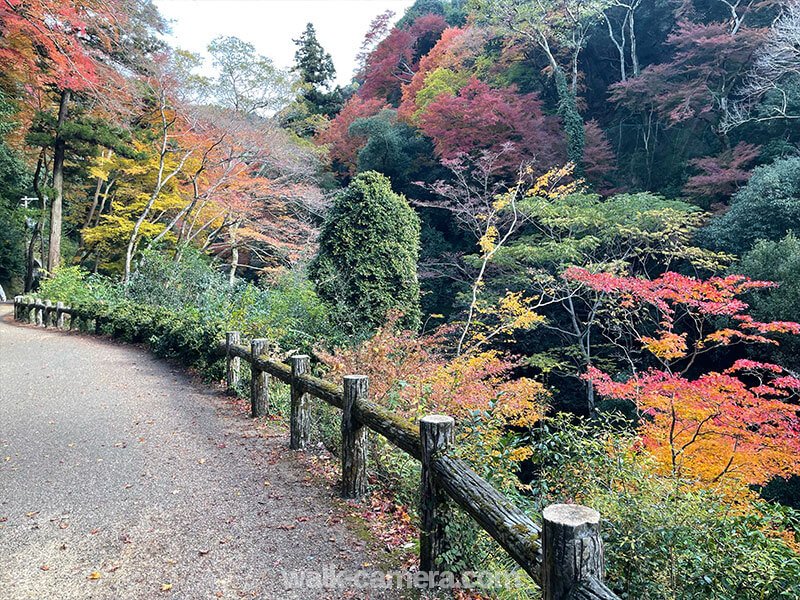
564,555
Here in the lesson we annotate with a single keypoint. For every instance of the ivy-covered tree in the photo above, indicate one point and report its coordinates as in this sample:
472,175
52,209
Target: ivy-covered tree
366,265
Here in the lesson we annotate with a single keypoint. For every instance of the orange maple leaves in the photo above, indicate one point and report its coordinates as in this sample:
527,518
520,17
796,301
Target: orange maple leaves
737,424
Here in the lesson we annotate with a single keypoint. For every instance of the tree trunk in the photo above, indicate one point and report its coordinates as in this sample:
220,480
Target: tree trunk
634,55
59,148
234,254
36,234
619,44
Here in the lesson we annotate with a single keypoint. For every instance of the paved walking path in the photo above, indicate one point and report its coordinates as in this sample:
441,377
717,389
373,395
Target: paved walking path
121,475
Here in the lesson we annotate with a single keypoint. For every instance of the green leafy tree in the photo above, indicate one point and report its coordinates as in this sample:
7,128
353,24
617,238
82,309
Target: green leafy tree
764,209
635,234
313,65
391,146
248,82
367,260
318,100
14,183
777,261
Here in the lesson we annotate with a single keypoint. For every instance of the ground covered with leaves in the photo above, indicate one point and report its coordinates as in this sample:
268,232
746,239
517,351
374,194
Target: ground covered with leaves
121,475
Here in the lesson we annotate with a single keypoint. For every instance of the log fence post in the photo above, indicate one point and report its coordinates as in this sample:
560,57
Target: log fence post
47,313
16,307
31,308
300,412
354,439
572,549
39,312
60,315
436,433
259,380
233,363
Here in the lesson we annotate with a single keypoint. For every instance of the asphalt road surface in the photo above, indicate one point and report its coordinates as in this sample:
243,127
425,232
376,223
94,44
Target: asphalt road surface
123,477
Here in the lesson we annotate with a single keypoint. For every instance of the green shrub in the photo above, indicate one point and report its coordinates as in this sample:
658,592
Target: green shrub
665,539
764,209
72,285
368,252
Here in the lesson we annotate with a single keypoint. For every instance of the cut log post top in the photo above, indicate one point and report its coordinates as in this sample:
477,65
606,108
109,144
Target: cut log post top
572,549
436,433
233,365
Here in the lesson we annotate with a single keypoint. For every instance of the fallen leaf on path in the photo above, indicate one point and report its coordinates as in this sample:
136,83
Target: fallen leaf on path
166,587
44,568
95,575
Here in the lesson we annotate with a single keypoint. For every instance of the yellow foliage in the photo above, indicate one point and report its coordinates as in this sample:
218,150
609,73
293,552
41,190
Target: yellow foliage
489,240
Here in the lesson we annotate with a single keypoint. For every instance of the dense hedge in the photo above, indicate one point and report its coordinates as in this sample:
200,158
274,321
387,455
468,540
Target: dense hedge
180,335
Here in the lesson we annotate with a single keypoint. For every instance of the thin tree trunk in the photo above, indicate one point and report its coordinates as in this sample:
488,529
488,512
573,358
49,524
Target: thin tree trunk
634,53
103,201
619,44
36,234
234,254
96,197
59,148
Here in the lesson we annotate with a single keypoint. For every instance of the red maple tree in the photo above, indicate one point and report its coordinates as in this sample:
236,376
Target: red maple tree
737,424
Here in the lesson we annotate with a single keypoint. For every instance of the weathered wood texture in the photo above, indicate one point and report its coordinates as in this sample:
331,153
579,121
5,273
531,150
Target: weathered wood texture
436,434
48,313
60,314
591,589
354,439
397,430
39,312
232,363
572,549
259,380
300,410
505,522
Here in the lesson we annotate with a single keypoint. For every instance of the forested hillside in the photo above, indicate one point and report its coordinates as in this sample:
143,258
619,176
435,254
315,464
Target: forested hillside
570,224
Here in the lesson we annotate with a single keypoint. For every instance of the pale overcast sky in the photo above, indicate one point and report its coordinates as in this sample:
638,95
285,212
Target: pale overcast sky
270,25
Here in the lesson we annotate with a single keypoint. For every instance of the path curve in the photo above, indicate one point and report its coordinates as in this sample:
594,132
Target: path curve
116,463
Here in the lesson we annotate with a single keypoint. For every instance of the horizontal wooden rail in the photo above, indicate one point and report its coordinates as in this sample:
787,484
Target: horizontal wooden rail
564,556
512,528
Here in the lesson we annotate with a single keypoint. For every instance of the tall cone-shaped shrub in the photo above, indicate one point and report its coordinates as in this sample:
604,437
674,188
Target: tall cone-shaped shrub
366,265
